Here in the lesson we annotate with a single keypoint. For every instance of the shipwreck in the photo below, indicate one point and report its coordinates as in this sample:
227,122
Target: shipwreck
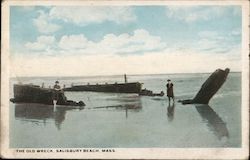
209,88
113,88
131,87
28,93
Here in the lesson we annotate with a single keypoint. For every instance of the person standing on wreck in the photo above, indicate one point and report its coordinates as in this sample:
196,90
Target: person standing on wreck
56,92
170,90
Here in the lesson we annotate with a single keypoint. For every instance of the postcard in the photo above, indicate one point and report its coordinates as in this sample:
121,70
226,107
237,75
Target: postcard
125,79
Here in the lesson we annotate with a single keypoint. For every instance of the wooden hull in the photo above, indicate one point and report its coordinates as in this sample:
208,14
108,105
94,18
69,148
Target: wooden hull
209,87
113,88
36,94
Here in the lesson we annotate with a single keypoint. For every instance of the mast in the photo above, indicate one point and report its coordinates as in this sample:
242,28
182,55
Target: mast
125,78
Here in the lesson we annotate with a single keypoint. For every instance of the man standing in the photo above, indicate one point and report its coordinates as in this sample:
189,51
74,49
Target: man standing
170,90
57,89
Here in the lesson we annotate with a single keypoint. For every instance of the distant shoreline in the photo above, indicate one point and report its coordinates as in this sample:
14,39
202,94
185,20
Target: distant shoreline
117,75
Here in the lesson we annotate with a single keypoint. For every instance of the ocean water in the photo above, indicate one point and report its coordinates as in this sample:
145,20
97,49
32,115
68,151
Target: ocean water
128,120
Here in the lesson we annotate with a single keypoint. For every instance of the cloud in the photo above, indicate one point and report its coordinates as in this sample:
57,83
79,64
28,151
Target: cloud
85,15
154,62
72,52
82,16
214,42
44,24
42,43
73,42
103,57
199,13
139,42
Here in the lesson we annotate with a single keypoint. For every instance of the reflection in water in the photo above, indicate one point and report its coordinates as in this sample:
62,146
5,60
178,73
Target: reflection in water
135,107
126,103
40,113
124,98
214,122
170,112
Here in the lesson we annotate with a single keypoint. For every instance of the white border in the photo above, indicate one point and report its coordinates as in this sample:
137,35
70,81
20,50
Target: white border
125,153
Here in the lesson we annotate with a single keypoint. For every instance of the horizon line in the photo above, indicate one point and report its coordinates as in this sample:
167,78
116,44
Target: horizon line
124,74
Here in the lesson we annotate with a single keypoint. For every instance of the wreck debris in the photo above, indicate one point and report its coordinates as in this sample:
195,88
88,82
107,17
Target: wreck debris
209,87
28,93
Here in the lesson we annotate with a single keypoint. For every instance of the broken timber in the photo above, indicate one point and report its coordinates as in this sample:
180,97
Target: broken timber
134,87
209,87
28,93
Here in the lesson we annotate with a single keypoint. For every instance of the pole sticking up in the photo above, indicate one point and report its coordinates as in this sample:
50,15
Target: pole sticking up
125,78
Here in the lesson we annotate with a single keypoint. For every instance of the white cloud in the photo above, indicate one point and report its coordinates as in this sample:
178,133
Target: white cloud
103,57
214,42
89,14
44,25
42,43
185,13
73,42
196,13
153,62
139,41
81,16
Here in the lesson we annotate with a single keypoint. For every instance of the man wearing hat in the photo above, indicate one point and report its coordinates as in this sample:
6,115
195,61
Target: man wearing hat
170,90
57,86
57,89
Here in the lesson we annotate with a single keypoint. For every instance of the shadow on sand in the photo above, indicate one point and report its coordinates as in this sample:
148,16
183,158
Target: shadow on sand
209,116
213,121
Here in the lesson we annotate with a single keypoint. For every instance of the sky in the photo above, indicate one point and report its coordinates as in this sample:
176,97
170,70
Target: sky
110,40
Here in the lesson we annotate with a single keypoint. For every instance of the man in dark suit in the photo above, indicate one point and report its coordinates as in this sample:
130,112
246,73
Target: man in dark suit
170,90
